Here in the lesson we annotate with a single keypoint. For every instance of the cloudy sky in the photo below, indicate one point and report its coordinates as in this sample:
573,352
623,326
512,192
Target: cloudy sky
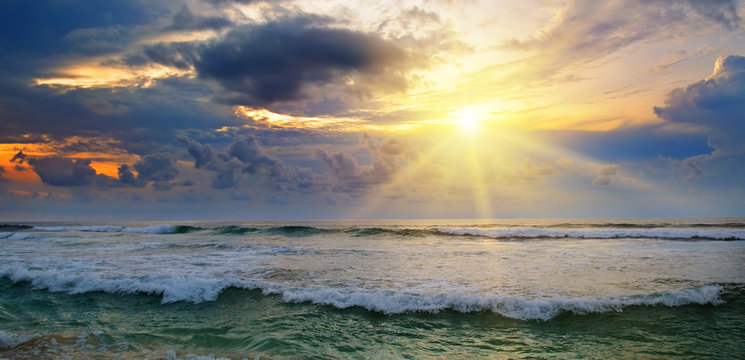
301,109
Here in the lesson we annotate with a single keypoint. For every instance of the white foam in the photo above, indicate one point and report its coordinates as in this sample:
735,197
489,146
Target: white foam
172,288
515,307
9,340
152,229
195,289
737,234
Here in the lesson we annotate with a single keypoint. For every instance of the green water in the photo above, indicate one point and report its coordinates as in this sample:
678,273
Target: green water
246,323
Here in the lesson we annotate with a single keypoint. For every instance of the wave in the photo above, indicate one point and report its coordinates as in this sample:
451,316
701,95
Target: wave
17,236
152,229
726,231
287,230
514,307
14,227
234,230
197,290
532,233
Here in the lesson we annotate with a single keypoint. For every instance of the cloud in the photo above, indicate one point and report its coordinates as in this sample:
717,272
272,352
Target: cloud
156,167
19,156
246,156
179,54
281,61
127,177
2,178
226,2
99,40
530,171
63,172
60,171
588,30
605,175
289,60
184,19
350,177
716,103
723,12
142,120
247,151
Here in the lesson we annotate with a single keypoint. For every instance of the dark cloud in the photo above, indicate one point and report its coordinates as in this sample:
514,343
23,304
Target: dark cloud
242,155
279,61
156,167
204,155
44,35
716,103
127,177
246,156
184,19
386,158
59,171
143,120
290,60
226,169
180,55
245,2
353,178
19,156
247,151
2,178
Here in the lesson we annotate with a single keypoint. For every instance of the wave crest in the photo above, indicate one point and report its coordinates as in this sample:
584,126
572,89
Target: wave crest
152,229
192,289
514,307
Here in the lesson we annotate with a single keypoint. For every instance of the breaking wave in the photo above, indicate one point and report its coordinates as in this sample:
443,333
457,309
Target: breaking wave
152,229
197,290
515,307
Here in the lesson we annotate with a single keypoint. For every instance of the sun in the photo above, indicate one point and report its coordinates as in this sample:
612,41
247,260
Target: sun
469,119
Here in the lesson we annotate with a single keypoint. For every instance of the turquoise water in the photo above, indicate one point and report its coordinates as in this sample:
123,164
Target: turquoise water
643,289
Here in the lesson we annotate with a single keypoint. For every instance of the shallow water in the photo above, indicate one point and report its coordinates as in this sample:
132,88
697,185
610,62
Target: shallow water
651,288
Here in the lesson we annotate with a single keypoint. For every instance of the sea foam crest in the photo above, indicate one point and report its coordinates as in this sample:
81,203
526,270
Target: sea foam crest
152,229
194,289
172,288
524,233
514,307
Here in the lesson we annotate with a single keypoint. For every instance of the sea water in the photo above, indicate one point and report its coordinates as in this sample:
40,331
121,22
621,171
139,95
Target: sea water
566,288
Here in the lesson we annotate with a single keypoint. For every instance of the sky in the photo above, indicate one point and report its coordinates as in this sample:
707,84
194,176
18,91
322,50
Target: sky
400,109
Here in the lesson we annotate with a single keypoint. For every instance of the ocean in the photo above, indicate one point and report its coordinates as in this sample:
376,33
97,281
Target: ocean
420,289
